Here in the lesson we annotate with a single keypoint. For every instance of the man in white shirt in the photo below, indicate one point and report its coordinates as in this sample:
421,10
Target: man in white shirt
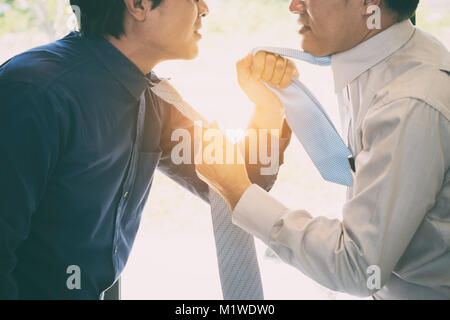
394,100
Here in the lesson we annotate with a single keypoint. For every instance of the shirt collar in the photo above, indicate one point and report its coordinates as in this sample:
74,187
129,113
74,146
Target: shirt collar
122,68
350,64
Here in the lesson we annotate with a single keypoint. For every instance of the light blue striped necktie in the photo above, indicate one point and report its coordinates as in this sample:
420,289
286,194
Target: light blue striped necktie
236,254
311,124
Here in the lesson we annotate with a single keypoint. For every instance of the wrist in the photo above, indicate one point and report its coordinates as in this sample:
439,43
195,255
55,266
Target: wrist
235,193
268,118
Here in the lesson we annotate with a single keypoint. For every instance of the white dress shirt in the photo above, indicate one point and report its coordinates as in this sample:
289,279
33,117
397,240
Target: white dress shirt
394,100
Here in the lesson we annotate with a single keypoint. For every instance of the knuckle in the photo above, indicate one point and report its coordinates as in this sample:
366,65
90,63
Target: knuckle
271,60
259,66
280,64
259,58
260,54
293,66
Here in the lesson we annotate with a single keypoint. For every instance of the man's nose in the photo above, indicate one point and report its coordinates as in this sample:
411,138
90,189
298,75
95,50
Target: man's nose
203,9
297,6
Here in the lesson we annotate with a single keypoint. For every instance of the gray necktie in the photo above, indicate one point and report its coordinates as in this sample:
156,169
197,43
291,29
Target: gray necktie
236,255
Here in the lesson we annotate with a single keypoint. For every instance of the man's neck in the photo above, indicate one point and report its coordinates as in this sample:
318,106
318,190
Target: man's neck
372,33
136,53
388,20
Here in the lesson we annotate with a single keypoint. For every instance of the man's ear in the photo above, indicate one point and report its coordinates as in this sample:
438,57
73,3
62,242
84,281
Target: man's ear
366,9
138,9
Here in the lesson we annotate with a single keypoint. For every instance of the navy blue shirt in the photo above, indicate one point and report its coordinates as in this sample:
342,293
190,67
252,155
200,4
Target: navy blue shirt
80,138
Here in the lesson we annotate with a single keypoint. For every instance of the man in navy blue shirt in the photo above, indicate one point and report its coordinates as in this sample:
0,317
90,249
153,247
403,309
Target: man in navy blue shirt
81,135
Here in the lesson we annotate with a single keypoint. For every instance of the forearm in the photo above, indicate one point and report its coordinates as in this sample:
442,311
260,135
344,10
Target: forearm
265,174
267,119
321,248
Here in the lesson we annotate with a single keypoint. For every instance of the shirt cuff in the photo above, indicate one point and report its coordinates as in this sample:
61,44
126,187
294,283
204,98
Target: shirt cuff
257,212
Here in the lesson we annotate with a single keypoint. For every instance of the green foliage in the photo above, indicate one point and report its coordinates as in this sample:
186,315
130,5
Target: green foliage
436,22
15,20
49,16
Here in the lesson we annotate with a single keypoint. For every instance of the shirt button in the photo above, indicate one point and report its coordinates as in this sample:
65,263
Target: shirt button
115,249
125,195
345,108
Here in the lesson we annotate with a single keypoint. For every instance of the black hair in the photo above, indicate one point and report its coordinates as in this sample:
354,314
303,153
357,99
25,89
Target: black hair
403,8
103,17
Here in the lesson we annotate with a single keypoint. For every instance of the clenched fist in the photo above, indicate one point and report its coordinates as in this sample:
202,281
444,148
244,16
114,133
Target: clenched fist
230,180
274,70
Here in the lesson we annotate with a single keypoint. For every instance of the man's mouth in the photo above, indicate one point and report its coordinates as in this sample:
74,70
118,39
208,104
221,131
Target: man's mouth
197,29
304,27
198,34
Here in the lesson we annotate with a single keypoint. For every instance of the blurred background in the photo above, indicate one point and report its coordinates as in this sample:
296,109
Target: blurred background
174,253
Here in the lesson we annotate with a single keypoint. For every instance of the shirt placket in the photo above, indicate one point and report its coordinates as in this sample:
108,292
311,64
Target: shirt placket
347,118
129,181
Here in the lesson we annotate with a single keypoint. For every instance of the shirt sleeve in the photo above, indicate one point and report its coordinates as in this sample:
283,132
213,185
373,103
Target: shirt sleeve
185,175
28,152
399,174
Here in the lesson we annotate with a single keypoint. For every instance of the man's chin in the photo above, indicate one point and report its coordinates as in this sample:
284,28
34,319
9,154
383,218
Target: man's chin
191,53
315,50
